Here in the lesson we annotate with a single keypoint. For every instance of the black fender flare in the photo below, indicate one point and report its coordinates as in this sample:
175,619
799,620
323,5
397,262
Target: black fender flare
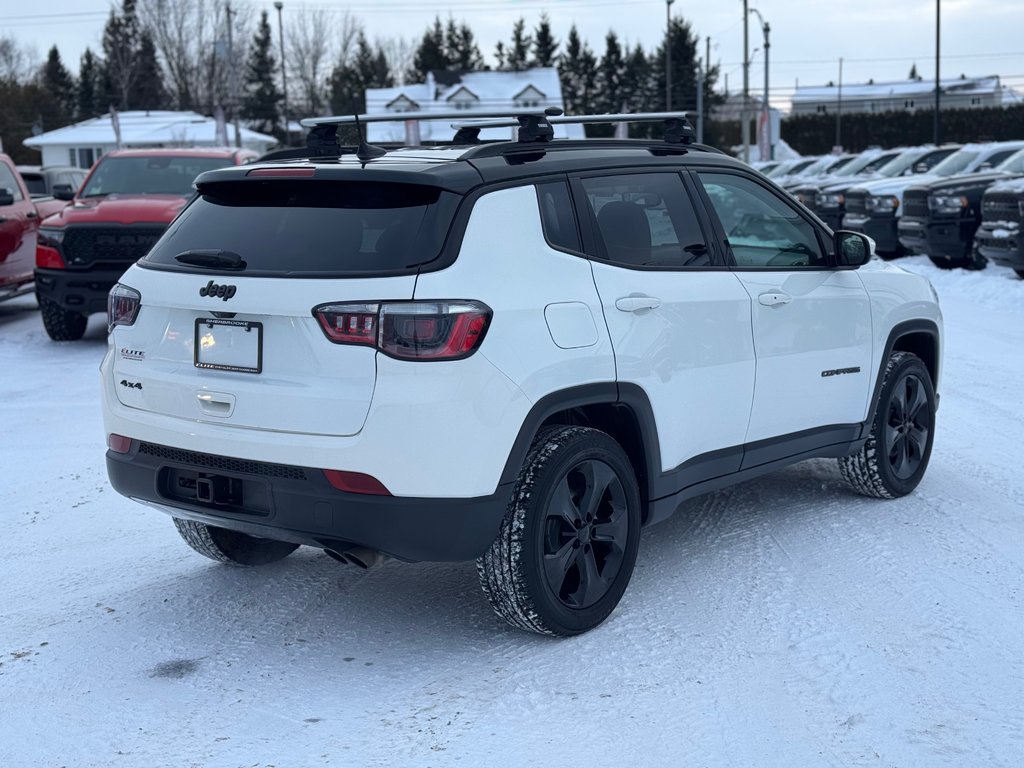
900,330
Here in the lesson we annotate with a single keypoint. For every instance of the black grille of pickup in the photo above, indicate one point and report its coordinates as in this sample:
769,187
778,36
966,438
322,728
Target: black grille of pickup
915,204
1001,206
121,246
856,203
222,463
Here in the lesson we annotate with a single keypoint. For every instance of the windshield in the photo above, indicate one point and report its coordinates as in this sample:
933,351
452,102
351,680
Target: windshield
840,163
955,163
1013,164
856,165
880,162
159,175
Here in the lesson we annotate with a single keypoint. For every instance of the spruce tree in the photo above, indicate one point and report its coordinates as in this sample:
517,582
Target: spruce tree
577,71
545,47
88,100
120,49
464,54
430,55
148,91
518,57
60,84
260,103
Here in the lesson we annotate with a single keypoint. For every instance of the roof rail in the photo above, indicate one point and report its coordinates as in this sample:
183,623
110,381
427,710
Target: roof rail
677,128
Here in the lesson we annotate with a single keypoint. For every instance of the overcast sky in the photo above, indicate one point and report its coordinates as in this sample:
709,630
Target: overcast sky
878,39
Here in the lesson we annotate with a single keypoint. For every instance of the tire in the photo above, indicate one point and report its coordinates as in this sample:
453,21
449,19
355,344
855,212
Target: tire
232,547
564,554
61,324
905,422
972,260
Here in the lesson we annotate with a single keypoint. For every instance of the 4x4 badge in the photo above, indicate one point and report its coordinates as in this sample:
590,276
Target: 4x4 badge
224,292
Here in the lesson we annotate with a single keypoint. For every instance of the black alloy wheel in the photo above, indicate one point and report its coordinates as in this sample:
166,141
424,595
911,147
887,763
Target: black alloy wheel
908,426
586,529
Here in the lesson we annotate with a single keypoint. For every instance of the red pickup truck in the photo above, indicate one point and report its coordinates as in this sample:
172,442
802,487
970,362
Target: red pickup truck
122,208
20,215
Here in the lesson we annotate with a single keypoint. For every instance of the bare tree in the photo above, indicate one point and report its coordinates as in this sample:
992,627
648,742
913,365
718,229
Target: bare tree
400,52
16,65
309,49
191,36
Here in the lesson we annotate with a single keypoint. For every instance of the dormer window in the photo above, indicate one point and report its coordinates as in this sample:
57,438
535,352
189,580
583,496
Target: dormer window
403,104
530,97
463,98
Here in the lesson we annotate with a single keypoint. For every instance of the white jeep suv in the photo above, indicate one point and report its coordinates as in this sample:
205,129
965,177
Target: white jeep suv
518,352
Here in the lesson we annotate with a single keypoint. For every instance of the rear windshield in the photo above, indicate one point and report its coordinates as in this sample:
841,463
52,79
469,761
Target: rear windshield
35,182
312,228
149,175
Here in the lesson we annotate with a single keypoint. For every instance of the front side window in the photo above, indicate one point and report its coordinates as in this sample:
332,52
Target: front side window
762,229
8,182
645,220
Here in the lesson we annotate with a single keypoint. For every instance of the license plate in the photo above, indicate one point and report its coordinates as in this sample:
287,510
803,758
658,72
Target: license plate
229,345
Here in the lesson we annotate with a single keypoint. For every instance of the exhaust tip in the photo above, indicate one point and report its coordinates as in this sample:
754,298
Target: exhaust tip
360,557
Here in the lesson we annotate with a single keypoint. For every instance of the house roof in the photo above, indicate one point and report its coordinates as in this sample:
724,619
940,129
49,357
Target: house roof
140,128
494,91
899,89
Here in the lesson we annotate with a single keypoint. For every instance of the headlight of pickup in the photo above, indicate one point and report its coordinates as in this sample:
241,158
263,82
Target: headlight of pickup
50,237
948,204
882,203
828,200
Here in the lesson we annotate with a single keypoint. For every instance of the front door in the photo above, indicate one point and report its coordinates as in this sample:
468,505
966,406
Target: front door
811,320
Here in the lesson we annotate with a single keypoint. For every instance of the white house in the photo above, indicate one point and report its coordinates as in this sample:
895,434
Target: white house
904,95
82,143
466,92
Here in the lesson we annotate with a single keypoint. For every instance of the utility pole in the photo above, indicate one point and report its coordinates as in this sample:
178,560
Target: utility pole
744,116
668,55
938,90
700,101
839,108
284,77
766,115
233,75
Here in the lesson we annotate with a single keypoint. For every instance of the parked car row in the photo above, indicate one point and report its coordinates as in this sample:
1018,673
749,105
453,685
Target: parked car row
959,204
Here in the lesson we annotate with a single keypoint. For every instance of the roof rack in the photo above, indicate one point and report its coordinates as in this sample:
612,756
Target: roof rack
535,126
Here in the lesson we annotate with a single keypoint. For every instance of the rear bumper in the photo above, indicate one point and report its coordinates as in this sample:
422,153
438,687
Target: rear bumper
881,230
298,504
84,292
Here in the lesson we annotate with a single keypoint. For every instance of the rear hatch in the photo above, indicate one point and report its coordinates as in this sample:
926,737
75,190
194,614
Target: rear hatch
226,332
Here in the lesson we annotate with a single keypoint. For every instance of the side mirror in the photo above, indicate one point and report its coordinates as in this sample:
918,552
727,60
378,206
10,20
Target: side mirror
852,248
6,197
63,192
921,167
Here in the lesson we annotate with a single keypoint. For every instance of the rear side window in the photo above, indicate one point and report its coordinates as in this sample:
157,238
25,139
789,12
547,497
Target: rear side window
557,217
313,228
35,182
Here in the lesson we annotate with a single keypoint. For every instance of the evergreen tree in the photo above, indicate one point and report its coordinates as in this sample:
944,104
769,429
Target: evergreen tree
913,72
610,75
260,103
345,91
499,55
577,69
464,54
88,99
60,84
637,82
518,56
545,47
431,55
148,91
684,70
120,49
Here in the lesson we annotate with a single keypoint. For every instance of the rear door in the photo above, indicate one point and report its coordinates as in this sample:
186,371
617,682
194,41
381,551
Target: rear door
679,320
242,347
811,321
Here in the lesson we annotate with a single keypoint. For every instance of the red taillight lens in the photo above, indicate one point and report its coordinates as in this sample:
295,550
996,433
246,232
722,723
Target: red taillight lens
356,482
409,330
349,323
122,306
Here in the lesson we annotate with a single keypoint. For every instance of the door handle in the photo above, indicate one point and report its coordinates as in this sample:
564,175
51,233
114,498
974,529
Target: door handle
774,299
31,215
636,303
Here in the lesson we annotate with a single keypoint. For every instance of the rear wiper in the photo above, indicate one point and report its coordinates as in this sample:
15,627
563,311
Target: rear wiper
215,259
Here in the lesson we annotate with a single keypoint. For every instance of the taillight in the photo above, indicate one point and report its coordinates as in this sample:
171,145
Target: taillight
119,443
122,306
409,330
48,255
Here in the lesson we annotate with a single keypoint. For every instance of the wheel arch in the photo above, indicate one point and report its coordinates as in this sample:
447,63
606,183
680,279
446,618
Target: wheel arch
623,411
919,337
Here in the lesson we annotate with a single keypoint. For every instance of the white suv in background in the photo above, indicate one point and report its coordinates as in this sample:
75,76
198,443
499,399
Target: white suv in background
518,352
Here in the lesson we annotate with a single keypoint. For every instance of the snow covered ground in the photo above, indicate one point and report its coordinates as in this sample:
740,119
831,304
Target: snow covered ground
786,622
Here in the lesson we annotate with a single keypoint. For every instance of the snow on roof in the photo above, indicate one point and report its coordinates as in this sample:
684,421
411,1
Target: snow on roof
140,128
493,91
897,88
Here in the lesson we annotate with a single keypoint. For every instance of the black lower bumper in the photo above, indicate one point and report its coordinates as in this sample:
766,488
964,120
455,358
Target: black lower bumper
881,230
1007,249
951,240
78,291
298,504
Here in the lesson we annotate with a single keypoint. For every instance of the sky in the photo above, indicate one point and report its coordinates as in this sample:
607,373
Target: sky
877,39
